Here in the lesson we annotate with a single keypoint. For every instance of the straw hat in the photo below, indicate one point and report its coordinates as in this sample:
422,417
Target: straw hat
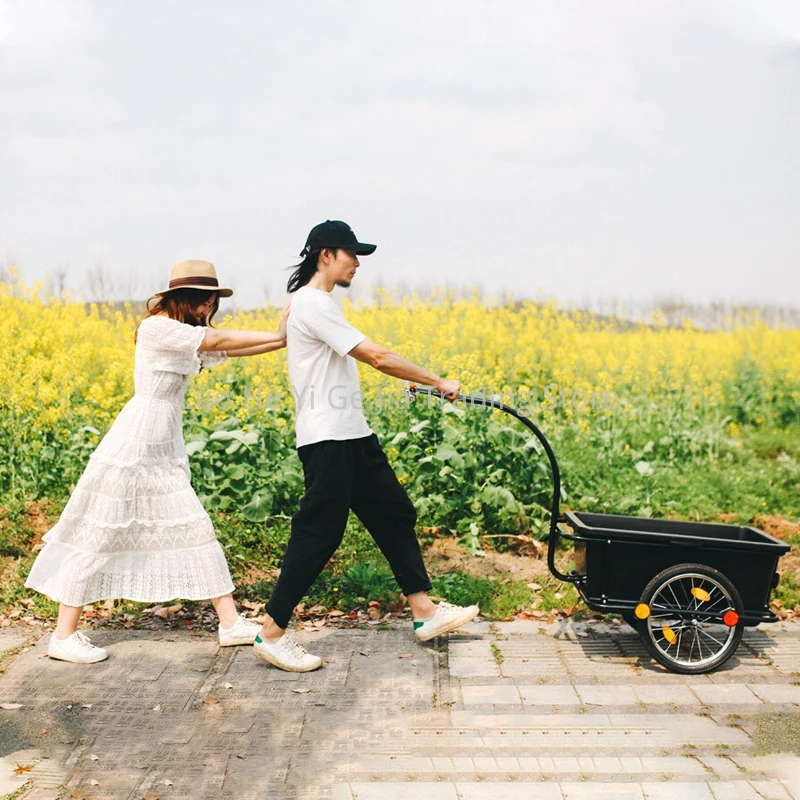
194,274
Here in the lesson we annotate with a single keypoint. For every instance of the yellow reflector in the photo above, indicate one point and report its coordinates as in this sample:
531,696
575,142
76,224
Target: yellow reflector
642,611
700,594
669,634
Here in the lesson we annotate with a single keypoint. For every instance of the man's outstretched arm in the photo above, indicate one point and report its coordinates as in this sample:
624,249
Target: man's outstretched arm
390,363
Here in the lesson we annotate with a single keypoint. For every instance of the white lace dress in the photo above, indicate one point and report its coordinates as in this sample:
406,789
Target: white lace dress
134,527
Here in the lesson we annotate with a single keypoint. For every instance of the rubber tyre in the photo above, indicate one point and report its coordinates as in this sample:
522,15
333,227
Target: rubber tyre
729,647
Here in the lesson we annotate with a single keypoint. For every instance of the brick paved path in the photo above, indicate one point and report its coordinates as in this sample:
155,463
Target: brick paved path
503,711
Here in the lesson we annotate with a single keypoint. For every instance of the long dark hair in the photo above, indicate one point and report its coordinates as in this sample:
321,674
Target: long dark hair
180,304
305,270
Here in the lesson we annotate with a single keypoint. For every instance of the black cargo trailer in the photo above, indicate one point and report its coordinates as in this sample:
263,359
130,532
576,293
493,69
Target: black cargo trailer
688,588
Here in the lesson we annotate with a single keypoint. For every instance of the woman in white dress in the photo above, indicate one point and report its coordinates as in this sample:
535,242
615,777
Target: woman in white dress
133,527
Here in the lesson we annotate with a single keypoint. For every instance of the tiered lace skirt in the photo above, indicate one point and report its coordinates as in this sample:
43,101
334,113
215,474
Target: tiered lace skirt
134,527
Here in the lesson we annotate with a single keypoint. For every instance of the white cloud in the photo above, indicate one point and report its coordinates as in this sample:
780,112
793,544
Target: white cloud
30,28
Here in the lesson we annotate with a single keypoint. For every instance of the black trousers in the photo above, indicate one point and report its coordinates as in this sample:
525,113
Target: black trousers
340,476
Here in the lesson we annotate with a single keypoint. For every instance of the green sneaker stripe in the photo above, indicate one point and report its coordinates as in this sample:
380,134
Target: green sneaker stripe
259,640
418,624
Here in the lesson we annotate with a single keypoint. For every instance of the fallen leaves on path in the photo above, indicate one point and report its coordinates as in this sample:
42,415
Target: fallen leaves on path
784,613
162,611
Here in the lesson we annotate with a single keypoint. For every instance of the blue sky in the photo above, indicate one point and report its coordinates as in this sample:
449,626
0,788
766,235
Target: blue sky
575,149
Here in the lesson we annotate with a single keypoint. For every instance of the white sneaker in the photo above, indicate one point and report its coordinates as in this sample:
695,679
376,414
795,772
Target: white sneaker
243,631
76,648
286,654
447,618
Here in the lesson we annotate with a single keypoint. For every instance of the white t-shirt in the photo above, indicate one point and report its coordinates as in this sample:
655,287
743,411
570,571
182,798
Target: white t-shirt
323,377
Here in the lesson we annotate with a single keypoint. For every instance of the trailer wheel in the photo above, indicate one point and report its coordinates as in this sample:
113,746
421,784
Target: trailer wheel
690,618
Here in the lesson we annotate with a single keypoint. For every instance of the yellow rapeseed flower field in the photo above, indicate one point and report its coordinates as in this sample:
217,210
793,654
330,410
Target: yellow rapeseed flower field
67,364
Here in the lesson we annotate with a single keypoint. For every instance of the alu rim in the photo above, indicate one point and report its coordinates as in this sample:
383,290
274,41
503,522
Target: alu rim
673,607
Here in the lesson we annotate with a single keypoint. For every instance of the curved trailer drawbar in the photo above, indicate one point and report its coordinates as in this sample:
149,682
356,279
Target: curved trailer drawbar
688,588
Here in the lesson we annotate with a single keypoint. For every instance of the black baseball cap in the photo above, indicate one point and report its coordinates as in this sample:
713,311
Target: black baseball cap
335,233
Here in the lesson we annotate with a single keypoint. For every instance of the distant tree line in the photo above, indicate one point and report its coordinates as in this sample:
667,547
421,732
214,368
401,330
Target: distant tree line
103,286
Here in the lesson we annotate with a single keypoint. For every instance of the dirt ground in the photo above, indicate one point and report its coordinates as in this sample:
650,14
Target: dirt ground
445,555
37,520
784,530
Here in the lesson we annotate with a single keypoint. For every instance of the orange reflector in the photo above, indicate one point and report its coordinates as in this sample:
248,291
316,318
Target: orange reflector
669,634
700,594
642,611
730,618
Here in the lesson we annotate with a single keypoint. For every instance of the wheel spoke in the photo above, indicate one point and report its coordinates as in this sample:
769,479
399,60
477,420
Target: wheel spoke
677,602
722,600
686,593
699,643
691,601
666,614
665,607
713,639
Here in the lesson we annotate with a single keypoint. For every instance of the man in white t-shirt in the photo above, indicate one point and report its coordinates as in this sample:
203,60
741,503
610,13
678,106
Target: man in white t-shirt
343,463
